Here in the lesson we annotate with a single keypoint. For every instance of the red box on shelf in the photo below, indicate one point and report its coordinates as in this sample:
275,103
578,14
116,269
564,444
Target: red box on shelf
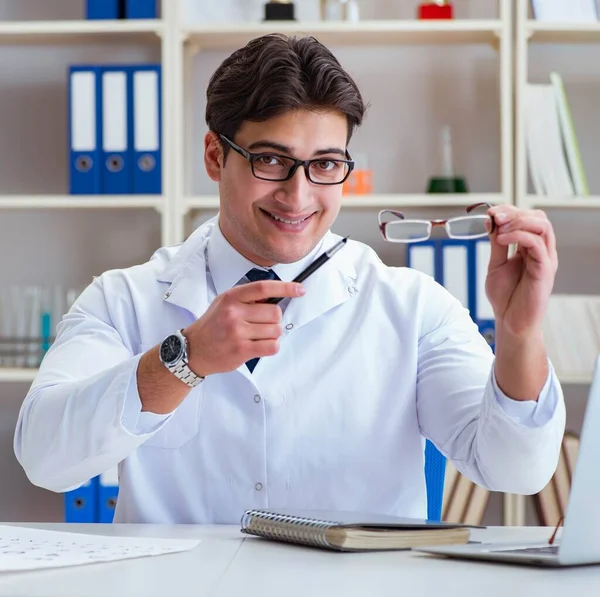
433,10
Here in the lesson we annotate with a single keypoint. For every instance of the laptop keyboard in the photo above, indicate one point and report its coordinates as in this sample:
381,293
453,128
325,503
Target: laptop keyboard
549,550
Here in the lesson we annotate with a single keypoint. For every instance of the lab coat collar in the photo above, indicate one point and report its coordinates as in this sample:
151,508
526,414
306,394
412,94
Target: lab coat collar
186,273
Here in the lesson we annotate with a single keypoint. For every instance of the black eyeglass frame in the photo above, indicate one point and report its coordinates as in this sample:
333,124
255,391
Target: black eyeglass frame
251,157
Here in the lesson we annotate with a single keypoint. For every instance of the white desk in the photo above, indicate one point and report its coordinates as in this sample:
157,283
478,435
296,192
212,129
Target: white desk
227,564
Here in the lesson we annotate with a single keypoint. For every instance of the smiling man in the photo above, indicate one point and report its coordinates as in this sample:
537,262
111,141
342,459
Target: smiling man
212,401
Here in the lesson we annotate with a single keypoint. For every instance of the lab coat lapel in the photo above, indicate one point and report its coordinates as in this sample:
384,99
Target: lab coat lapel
186,275
331,285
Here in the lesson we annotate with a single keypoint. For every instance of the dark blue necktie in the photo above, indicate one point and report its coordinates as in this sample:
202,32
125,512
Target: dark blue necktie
255,275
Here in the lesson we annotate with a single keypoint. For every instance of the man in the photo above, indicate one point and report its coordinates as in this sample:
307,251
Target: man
320,401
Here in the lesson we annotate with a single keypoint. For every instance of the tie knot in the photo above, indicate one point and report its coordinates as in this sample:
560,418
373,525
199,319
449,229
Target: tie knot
255,275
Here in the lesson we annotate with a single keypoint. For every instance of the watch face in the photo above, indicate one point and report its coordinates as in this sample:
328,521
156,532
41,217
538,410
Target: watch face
170,349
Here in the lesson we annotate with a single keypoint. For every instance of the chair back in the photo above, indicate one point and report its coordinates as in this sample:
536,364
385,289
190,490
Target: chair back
435,470
451,496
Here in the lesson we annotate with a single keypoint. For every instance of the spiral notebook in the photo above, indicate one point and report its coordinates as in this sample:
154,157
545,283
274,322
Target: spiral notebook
351,531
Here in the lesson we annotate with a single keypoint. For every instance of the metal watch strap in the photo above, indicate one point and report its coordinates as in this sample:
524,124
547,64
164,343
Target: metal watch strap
182,371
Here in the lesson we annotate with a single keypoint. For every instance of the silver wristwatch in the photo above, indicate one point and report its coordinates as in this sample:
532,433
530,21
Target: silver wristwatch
174,356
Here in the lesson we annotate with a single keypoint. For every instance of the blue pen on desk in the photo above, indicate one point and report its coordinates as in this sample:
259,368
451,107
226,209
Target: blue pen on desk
313,267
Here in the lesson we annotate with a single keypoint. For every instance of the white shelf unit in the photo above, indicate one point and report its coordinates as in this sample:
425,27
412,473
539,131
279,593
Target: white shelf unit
178,43
73,32
494,32
68,33
529,31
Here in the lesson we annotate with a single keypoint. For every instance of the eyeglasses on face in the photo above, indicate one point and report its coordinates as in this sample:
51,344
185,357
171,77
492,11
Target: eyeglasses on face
279,168
402,230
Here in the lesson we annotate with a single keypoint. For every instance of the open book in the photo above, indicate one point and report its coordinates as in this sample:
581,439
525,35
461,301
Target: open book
351,531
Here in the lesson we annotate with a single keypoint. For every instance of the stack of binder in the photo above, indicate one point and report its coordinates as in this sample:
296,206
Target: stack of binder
115,122
120,9
461,267
80,503
95,500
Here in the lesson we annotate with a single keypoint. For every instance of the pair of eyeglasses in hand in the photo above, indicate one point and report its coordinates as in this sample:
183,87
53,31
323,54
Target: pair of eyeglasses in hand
476,224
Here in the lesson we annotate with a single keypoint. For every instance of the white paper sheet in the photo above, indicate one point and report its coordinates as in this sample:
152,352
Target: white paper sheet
23,548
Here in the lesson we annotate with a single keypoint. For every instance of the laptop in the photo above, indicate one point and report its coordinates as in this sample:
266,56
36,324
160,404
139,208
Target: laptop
580,540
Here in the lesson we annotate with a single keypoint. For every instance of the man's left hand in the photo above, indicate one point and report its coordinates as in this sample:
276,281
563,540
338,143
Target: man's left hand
519,286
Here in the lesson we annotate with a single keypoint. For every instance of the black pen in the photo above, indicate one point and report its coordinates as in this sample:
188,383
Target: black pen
313,267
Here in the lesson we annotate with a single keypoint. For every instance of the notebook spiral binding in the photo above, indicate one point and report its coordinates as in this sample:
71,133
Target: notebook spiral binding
292,529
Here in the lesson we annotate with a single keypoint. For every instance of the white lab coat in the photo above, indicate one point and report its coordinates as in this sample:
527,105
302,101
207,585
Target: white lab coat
373,360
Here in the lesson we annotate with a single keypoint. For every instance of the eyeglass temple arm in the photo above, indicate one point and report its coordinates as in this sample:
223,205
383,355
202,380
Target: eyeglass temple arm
482,204
382,225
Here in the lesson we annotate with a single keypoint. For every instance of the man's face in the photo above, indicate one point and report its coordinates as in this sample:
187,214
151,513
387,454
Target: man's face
251,209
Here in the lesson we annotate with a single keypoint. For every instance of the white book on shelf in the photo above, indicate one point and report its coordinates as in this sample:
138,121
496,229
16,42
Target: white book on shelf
569,136
544,143
565,11
532,139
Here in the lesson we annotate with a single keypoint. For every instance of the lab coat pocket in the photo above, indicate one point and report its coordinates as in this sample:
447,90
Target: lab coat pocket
183,425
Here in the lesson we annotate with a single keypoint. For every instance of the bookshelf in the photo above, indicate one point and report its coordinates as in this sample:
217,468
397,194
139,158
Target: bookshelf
179,41
528,32
495,32
177,44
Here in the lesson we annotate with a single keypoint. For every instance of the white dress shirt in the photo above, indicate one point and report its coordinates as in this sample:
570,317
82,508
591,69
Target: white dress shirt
373,360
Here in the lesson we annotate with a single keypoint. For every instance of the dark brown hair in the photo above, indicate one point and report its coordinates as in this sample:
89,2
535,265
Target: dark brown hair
276,73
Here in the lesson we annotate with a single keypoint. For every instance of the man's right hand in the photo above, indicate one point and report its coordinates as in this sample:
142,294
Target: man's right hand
238,327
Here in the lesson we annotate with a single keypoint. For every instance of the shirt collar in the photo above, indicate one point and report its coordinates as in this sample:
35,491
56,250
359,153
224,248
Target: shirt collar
227,267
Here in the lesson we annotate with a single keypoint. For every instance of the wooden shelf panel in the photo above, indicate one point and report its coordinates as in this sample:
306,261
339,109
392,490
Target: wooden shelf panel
592,202
370,33
80,201
547,32
420,200
381,201
9,375
79,31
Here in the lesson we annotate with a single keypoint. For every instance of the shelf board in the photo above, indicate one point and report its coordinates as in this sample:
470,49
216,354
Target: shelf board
592,202
17,375
548,32
381,201
79,31
575,379
80,201
371,33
